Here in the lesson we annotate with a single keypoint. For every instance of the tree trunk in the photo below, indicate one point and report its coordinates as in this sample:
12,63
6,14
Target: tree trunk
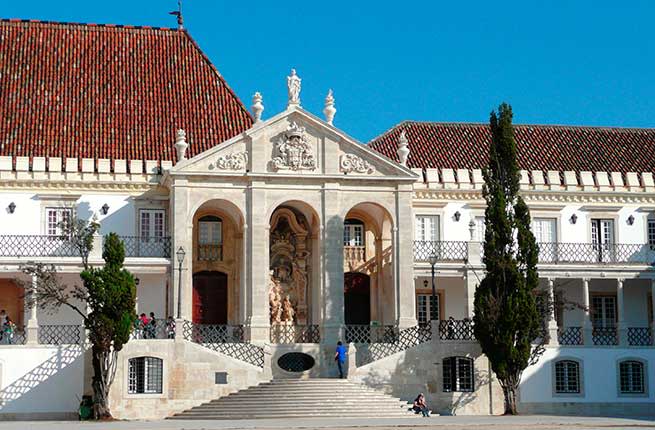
99,384
509,392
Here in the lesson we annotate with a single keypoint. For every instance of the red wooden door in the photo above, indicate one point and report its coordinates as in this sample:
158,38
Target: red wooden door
210,298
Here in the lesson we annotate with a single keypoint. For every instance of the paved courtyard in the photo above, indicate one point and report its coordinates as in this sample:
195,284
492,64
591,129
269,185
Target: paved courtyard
450,423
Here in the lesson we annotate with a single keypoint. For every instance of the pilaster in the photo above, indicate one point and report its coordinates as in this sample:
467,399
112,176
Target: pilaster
552,322
621,330
182,226
332,240
257,239
404,257
586,323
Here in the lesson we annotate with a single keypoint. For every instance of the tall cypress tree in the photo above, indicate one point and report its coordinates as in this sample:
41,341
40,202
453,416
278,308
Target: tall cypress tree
506,318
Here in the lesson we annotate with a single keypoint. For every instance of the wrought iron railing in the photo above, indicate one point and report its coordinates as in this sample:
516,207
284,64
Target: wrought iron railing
569,335
370,334
407,338
210,252
36,246
51,334
625,253
354,254
17,337
142,246
160,329
456,330
226,339
442,250
604,336
283,333
640,336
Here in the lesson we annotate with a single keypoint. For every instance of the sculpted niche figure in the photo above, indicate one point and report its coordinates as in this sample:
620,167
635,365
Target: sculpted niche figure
275,299
288,312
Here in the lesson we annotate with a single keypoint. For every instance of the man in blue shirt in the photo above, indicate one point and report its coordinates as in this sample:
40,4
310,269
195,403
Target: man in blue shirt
340,357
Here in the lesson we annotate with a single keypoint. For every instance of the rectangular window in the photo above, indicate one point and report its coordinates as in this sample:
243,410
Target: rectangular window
152,223
603,311
567,377
651,232
544,230
353,235
54,219
480,229
632,377
424,314
457,374
427,228
145,375
210,233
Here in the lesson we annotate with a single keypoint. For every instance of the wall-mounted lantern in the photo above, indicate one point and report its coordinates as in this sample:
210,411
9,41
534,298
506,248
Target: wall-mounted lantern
11,207
631,220
104,209
457,216
574,219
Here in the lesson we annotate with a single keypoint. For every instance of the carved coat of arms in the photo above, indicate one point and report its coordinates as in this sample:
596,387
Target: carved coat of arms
292,151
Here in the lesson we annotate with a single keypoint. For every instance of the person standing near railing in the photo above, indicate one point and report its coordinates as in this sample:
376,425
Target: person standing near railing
170,327
340,357
151,327
3,320
8,329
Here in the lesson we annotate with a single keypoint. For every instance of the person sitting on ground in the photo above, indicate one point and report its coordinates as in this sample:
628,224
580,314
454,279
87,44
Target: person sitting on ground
420,406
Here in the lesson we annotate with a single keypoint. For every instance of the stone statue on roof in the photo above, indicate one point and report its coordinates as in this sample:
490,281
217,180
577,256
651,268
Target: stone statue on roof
293,86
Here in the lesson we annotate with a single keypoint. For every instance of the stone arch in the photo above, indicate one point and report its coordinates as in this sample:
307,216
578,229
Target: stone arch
221,252
374,259
294,263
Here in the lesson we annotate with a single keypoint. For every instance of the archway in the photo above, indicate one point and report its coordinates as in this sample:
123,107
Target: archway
357,298
293,253
210,297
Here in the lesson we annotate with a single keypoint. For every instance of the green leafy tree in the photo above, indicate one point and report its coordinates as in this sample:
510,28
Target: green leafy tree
109,294
507,320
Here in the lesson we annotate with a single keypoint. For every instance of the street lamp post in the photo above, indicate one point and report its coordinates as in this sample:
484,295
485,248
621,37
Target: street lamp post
180,259
433,302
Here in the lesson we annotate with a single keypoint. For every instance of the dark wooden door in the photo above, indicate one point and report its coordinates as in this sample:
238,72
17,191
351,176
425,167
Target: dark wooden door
210,298
357,298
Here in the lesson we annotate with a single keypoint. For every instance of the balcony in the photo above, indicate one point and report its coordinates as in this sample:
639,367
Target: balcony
443,250
354,254
580,253
210,252
34,246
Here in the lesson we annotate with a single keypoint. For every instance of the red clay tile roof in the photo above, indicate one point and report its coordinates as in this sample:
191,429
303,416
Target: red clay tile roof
540,147
105,91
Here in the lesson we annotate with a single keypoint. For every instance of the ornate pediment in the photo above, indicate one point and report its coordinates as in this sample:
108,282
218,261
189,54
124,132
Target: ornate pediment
292,151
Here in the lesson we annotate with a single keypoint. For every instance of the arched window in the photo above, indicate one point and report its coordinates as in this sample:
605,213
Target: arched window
145,375
567,377
632,377
210,238
457,374
353,232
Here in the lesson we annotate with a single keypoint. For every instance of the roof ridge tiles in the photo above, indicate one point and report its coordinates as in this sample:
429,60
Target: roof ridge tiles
89,25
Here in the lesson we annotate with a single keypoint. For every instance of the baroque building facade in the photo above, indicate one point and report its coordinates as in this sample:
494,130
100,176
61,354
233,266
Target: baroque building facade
268,240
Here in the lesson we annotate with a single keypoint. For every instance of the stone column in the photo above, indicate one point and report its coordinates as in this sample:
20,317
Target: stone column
32,329
621,329
586,323
404,257
551,321
243,287
182,226
652,298
470,284
332,240
258,313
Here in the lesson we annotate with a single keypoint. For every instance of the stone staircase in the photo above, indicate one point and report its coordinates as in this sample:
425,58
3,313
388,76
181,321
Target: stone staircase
293,398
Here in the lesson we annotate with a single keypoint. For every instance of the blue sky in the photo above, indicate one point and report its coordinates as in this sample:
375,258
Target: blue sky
557,62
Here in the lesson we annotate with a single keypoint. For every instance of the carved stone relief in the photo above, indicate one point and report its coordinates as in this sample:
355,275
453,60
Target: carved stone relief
353,163
234,161
292,151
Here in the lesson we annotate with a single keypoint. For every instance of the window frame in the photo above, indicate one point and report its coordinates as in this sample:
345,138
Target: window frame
140,235
650,228
164,383
59,209
581,379
437,226
351,225
446,364
644,368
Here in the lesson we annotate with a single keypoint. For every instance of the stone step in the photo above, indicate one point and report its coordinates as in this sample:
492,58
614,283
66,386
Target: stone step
301,398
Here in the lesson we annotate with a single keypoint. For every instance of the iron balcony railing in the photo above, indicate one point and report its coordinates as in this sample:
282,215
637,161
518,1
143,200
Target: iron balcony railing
611,253
442,250
569,335
34,245
210,252
456,330
142,246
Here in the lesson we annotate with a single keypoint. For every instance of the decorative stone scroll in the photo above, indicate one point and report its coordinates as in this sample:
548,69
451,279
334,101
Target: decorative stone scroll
352,163
292,151
234,161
